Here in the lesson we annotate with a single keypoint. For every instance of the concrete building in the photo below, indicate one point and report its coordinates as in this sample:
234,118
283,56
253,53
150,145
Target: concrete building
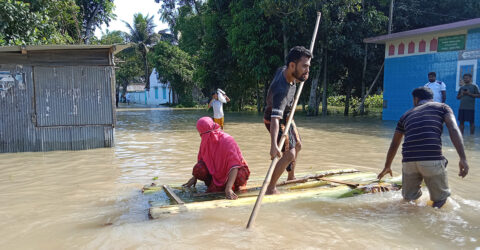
159,93
450,50
57,97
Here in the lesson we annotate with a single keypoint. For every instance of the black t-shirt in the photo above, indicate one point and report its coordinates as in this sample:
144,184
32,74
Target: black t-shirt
280,97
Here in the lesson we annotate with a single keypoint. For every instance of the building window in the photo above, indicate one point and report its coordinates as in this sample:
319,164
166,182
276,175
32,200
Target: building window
433,44
401,49
391,50
411,47
422,46
164,90
156,92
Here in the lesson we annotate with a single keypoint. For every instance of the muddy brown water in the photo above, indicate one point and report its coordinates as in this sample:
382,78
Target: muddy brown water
91,199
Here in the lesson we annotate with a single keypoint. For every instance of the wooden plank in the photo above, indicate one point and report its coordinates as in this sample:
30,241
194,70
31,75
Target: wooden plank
172,195
13,58
95,57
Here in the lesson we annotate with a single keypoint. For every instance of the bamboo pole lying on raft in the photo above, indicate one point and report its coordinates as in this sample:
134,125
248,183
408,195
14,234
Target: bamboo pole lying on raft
351,175
172,195
156,187
350,184
284,183
317,176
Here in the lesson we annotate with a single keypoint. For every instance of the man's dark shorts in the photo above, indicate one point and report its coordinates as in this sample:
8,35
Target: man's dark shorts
466,115
292,137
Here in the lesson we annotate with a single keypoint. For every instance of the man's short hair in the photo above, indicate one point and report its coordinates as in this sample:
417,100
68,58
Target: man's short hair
423,93
296,53
467,74
432,74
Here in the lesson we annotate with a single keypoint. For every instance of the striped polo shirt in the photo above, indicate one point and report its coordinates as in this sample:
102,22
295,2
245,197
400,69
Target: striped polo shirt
422,127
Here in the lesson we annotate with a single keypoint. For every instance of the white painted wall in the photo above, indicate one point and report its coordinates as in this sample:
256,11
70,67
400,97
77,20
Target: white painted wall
159,93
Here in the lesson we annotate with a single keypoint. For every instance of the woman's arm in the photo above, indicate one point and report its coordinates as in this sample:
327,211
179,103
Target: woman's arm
191,182
210,104
229,194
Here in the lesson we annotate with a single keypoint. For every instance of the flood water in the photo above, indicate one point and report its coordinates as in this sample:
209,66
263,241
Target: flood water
92,200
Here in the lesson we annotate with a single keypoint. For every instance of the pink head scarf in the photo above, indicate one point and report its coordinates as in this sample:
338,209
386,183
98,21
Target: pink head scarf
218,150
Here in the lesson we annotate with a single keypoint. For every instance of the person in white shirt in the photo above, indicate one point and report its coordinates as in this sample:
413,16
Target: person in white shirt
217,105
438,87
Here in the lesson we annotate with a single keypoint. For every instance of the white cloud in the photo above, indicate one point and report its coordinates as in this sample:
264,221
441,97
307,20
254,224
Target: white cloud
124,9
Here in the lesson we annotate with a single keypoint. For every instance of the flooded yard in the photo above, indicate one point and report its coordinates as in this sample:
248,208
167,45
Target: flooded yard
92,200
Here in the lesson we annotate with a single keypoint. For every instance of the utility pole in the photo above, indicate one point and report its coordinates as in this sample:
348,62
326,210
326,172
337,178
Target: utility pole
366,53
390,17
362,103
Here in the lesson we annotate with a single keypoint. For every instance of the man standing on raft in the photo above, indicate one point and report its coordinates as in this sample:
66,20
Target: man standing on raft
280,100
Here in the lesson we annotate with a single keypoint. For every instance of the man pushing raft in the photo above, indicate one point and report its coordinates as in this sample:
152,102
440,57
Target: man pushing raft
280,101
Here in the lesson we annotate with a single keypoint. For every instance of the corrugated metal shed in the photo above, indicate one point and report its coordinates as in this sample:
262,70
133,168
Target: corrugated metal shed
57,97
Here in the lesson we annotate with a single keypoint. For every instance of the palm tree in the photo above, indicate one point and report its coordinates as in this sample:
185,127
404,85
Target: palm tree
167,36
142,33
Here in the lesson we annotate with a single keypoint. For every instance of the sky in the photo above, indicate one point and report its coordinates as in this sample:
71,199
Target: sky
124,9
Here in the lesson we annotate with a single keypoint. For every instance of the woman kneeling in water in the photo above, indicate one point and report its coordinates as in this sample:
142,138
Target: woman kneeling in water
220,162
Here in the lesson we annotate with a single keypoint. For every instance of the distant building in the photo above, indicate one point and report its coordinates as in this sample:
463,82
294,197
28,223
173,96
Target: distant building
159,93
57,97
450,50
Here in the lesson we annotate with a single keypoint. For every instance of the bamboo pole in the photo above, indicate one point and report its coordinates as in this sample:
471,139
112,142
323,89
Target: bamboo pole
172,195
266,182
288,182
362,103
350,184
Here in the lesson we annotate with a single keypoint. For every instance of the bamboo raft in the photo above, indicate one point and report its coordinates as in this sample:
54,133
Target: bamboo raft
339,183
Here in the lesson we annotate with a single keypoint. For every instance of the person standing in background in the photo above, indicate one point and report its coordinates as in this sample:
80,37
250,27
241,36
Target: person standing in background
217,104
438,88
467,94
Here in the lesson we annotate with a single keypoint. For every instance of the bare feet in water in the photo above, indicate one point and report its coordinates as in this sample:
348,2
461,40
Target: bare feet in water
274,191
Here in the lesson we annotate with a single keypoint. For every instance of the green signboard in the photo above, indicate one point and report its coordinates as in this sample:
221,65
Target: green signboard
449,43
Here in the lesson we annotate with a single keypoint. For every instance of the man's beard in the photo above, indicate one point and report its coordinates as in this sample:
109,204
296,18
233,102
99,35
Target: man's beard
299,76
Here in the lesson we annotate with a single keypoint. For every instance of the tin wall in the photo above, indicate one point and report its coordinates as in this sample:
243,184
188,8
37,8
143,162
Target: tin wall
46,108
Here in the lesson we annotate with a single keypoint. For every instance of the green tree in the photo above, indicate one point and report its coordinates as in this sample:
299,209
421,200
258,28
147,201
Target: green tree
169,9
113,37
251,39
413,14
129,63
143,35
175,66
236,45
189,28
129,68
93,14
38,22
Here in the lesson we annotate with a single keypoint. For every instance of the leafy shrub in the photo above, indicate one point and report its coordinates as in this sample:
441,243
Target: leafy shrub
373,101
